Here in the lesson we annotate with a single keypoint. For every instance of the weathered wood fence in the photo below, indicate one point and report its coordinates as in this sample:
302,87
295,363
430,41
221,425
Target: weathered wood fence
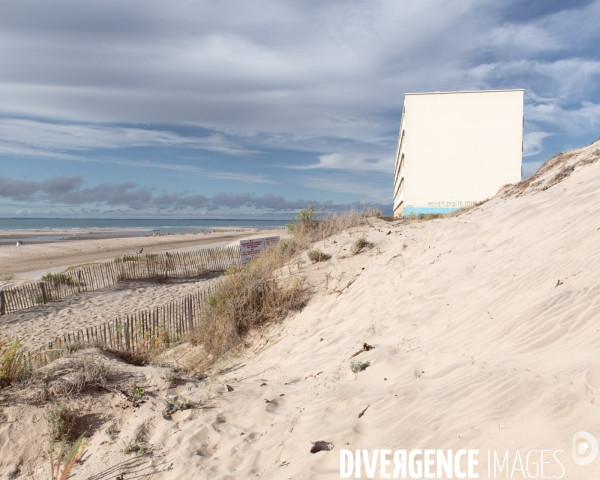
133,333
128,267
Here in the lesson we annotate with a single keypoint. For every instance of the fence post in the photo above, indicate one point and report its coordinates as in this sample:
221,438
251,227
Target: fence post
43,287
2,303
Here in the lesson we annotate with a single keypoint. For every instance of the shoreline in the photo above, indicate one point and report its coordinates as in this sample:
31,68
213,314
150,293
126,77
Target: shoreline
9,237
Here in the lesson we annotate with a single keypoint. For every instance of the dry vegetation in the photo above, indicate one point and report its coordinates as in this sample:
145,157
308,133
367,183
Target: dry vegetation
263,291
315,255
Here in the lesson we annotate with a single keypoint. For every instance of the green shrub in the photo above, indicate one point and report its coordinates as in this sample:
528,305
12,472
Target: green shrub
161,277
358,367
136,446
317,255
176,404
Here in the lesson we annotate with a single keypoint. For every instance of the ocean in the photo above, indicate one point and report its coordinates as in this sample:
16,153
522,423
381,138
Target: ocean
162,225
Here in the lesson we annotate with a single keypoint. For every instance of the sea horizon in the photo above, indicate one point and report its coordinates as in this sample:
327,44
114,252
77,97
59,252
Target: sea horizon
183,225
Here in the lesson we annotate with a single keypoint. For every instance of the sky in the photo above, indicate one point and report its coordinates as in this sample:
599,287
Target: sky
230,109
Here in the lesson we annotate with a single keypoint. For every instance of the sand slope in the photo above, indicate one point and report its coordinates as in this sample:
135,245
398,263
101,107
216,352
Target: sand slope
486,330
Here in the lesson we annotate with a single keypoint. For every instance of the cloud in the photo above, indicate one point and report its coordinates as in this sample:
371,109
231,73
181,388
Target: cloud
51,137
303,85
534,143
69,191
24,190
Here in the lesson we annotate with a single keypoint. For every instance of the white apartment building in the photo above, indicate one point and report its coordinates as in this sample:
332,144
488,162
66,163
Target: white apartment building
456,149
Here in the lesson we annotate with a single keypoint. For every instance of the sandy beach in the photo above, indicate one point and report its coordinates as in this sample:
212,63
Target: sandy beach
485,336
33,260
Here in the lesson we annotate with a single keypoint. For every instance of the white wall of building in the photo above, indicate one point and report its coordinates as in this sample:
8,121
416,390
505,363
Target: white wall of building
456,149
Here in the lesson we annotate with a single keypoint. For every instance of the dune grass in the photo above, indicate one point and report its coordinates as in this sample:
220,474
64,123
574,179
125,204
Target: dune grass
7,277
127,258
263,291
12,362
57,279
65,457
81,265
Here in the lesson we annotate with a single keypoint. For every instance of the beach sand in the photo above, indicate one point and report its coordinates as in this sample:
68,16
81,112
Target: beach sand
33,260
36,326
485,328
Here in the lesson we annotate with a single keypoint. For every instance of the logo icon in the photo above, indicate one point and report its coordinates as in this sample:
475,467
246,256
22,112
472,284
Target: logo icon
585,448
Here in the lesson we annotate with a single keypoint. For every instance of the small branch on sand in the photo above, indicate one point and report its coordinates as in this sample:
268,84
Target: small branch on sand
363,412
339,292
393,258
365,348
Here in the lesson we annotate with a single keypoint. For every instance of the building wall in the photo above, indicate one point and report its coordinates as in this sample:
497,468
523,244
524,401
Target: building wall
456,149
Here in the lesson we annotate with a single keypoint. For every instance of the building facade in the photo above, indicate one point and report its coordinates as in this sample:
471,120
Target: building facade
456,149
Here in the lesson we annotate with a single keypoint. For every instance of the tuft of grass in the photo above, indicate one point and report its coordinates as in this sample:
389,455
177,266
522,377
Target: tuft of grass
148,349
57,279
172,376
137,392
358,367
288,246
176,404
65,458
62,419
39,299
317,255
81,265
427,216
7,277
13,366
161,277
113,431
360,244
388,218
136,446
127,258
94,371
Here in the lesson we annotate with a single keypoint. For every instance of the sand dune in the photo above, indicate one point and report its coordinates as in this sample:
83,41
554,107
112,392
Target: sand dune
486,335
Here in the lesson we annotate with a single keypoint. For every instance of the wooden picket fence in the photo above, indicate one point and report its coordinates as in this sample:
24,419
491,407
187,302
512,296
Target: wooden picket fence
132,333
128,267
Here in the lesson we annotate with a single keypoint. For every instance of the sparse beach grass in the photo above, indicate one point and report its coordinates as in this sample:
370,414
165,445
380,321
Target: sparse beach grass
360,244
7,277
12,362
261,292
57,279
62,420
